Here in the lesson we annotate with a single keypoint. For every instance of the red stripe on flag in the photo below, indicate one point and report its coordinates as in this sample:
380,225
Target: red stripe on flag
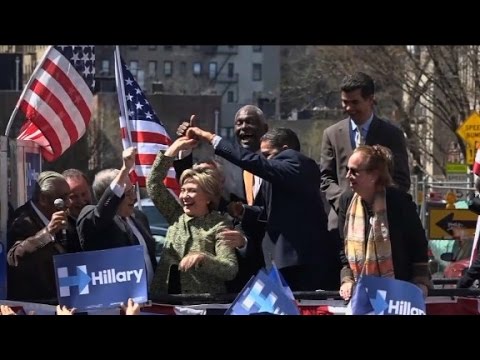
49,98
149,137
172,184
44,126
145,159
70,89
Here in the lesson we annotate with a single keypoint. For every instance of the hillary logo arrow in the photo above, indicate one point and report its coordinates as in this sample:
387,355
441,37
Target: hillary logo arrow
448,224
81,279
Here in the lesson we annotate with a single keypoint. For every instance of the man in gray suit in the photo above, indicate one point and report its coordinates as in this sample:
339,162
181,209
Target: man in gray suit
361,127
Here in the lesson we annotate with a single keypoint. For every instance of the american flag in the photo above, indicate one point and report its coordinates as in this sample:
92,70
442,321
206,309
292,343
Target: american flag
147,133
58,99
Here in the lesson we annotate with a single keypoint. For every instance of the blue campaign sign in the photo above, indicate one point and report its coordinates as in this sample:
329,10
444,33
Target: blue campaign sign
101,279
262,294
32,170
3,272
386,296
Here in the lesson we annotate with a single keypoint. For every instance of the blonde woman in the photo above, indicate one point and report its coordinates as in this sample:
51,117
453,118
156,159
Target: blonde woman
379,224
194,257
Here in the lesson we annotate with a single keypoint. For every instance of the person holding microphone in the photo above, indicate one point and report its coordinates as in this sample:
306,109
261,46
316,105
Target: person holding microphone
37,233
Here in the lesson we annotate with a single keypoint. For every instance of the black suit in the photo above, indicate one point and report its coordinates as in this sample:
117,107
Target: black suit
99,227
250,259
296,234
31,275
337,149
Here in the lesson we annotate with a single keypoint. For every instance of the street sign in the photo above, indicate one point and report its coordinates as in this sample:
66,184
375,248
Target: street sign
470,158
456,168
452,224
470,129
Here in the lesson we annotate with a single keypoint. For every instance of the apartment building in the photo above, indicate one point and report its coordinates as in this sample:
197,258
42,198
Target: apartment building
240,74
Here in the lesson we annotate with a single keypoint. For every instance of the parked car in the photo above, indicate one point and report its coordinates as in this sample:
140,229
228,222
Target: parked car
158,224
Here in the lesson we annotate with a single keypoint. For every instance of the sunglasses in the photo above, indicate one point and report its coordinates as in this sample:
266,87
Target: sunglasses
353,171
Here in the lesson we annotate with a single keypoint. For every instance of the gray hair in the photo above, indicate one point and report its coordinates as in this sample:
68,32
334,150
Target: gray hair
102,180
252,110
46,184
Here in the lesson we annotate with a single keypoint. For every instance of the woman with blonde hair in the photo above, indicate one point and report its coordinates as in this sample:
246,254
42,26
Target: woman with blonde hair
194,257
379,224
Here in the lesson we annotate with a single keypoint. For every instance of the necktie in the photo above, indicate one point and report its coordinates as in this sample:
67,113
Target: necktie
359,137
131,237
248,180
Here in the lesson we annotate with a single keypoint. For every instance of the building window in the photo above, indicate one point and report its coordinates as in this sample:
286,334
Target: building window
257,72
105,67
230,96
231,66
183,68
167,68
257,48
212,70
168,48
133,67
197,68
152,47
152,68
141,78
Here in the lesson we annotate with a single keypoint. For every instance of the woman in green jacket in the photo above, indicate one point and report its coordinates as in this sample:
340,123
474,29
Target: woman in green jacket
194,257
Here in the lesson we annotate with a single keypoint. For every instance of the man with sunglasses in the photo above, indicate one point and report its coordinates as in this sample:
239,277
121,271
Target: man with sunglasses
114,222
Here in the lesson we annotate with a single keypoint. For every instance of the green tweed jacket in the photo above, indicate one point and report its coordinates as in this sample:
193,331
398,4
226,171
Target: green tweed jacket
189,234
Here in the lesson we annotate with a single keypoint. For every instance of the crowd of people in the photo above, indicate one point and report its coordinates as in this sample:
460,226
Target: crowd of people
259,201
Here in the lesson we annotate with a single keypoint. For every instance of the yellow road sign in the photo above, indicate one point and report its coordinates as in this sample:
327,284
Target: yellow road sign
470,129
470,158
452,224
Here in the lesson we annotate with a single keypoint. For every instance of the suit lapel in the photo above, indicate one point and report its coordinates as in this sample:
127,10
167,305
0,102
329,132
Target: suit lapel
373,132
344,137
34,216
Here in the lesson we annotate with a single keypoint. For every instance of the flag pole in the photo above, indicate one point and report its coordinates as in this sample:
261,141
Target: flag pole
122,100
27,86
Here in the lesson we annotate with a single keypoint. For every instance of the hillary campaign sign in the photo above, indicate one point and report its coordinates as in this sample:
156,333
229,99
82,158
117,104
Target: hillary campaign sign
386,296
101,279
263,294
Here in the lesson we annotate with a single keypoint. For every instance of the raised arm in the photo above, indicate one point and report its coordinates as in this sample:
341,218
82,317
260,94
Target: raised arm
163,199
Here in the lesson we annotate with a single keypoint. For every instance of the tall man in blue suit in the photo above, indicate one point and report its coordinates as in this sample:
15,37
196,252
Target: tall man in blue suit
296,236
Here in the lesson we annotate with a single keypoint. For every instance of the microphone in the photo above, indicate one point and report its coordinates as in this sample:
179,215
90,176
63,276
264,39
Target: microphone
60,205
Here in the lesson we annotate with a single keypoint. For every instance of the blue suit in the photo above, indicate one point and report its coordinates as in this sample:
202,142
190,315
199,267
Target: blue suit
296,236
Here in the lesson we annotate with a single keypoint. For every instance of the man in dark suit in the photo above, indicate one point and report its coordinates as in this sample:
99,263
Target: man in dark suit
361,127
296,236
80,196
249,126
113,222
35,236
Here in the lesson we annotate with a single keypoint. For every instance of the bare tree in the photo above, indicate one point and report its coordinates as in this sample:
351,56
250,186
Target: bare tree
428,90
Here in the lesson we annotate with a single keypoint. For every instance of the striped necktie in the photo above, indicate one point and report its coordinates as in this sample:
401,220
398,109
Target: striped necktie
359,136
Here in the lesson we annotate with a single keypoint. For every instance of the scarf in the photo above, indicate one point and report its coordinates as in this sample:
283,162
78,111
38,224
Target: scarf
374,257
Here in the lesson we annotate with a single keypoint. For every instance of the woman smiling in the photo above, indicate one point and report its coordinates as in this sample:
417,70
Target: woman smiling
382,233
194,259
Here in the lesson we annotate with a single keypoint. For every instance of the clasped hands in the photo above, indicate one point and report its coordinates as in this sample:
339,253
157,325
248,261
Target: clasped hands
189,130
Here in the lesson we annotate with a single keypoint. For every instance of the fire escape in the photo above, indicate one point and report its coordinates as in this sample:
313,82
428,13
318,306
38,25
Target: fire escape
223,53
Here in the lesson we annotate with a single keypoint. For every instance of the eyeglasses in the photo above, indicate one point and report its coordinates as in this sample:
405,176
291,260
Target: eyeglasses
353,171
